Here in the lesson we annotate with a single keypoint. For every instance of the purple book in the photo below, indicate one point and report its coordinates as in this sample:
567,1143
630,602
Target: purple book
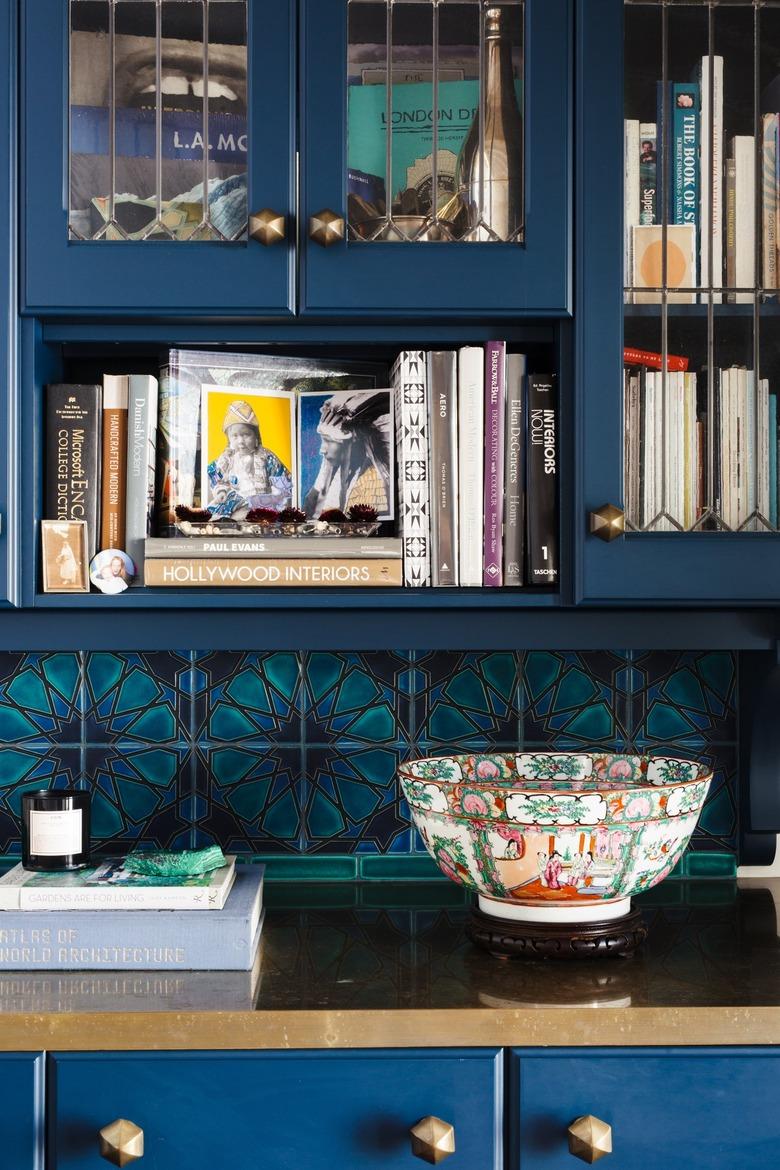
495,393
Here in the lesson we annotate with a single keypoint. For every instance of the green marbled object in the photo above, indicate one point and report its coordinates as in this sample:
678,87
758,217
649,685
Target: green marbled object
184,863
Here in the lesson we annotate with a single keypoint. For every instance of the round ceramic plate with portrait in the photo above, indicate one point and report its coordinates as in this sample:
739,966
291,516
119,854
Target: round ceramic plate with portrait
111,571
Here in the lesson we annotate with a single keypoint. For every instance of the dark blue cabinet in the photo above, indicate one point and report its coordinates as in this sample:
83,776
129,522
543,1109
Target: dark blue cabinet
9,475
440,278
192,278
279,1110
695,1108
21,1111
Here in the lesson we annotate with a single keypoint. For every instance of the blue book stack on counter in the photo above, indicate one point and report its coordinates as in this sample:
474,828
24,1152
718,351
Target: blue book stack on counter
111,939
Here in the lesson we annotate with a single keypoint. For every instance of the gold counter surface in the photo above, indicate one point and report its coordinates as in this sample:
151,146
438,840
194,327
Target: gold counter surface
387,967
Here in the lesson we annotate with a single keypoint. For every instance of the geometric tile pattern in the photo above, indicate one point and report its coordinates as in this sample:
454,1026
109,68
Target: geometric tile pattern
295,754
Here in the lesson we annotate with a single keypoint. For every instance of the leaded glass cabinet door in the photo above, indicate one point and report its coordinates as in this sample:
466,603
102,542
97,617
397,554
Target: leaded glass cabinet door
159,156
680,350
462,213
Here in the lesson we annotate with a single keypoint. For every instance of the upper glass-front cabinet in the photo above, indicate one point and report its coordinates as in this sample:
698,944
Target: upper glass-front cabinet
681,429
172,164
436,156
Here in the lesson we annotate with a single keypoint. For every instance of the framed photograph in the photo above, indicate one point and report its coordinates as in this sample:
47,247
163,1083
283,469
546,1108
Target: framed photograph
111,570
248,449
64,556
346,451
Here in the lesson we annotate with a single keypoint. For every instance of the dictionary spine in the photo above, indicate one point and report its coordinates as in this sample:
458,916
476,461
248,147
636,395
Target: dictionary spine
73,423
542,497
200,572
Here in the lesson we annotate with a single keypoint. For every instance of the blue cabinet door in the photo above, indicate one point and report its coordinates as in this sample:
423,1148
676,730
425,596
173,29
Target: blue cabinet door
641,567
9,333
439,278
155,276
692,1108
278,1110
21,1110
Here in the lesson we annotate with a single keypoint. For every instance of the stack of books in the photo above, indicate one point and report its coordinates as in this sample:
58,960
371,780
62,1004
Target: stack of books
105,918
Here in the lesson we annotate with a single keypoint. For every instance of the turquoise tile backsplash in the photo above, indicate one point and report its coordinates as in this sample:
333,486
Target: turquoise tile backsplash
294,755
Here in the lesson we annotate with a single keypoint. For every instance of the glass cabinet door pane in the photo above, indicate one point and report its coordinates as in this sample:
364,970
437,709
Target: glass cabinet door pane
456,176
158,120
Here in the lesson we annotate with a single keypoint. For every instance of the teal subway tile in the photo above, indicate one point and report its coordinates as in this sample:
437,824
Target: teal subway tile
710,865
397,867
308,869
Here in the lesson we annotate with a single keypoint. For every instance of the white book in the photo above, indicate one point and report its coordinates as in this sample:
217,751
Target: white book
762,456
410,390
769,201
108,886
630,191
651,429
141,449
471,462
691,451
711,221
743,151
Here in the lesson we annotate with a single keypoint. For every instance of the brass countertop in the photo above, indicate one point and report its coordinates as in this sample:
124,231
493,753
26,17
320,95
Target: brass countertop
383,966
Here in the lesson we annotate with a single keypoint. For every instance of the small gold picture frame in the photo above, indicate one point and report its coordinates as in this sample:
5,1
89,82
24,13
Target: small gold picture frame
64,556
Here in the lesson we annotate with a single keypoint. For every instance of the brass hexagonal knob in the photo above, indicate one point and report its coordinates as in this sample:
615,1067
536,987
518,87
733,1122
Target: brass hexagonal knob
433,1140
589,1138
121,1142
607,522
267,226
326,227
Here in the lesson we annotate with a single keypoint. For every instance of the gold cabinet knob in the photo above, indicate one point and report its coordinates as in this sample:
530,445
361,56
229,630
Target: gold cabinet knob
589,1138
433,1140
607,522
326,228
267,226
121,1142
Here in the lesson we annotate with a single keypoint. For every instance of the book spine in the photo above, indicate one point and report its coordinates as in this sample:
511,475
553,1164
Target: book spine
542,461
630,189
648,173
712,167
731,225
411,420
772,444
495,393
123,942
685,114
141,445
73,445
744,155
275,547
514,469
183,572
113,503
471,462
645,357
769,201
444,466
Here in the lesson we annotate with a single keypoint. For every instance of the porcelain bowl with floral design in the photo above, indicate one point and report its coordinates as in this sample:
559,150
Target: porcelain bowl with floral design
555,836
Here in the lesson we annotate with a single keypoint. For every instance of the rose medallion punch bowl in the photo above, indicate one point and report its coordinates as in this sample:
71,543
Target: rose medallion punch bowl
555,836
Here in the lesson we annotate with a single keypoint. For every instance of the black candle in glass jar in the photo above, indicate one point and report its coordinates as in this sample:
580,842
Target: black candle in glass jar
55,828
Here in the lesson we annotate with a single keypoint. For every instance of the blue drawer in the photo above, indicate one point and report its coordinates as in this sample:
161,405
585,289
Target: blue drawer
276,1110
21,1111
697,1109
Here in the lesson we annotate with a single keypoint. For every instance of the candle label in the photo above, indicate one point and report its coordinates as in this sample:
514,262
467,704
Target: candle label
55,834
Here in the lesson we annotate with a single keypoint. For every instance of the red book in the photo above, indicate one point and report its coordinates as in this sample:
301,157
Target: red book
643,357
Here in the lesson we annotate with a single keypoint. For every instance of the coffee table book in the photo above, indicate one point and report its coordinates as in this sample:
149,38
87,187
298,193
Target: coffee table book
108,886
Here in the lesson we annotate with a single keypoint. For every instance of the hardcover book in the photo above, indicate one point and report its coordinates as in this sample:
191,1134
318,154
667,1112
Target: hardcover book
73,446
648,173
514,469
743,152
712,167
495,390
109,886
630,190
542,502
443,415
409,377
274,547
114,498
135,939
184,572
471,462
141,447
769,201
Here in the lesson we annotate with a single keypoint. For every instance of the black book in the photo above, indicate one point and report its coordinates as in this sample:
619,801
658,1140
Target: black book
542,456
73,439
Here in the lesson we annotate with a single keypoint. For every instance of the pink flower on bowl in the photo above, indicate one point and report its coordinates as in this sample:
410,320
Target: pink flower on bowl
619,769
637,808
449,871
487,770
474,803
